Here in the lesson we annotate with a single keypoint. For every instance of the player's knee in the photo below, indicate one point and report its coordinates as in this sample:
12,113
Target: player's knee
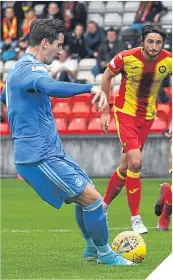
135,165
88,196
123,170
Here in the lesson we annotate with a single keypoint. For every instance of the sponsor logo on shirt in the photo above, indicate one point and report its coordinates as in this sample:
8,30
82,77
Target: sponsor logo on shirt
39,68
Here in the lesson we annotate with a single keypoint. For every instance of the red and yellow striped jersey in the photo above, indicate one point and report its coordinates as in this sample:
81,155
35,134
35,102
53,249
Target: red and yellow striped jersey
140,82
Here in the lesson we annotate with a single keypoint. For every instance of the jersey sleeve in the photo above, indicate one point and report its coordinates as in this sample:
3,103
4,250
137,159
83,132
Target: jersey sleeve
116,65
31,74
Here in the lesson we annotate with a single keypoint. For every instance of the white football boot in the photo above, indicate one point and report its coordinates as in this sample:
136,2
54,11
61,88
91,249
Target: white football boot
138,226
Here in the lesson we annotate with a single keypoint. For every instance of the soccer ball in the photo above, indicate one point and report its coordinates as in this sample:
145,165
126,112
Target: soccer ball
130,245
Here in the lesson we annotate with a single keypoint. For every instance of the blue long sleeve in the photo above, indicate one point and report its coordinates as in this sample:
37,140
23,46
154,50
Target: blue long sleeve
54,88
3,96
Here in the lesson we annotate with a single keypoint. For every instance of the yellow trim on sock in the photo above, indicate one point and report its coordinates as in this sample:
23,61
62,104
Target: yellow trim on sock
133,174
120,175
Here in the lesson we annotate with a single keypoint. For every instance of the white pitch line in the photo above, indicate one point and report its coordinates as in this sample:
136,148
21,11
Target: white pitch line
61,230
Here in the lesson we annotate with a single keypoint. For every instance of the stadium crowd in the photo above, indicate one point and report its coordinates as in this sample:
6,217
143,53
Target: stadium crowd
96,32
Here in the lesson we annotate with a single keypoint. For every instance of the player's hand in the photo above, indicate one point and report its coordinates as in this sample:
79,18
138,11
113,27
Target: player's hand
100,99
105,121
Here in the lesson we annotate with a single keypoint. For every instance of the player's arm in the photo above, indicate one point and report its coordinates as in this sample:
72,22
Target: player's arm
106,81
3,96
114,68
53,88
36,79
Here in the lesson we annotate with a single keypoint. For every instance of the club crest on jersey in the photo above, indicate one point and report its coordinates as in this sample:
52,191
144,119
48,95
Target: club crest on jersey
162,69
78,181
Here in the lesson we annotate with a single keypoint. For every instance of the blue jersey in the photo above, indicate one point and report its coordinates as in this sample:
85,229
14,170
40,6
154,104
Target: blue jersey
33,129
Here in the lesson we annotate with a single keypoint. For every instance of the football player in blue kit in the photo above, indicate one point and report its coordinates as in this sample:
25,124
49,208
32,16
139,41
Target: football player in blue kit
39,156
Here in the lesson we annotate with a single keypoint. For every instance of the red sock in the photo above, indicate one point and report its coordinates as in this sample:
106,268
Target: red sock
115,185
167,209
133,187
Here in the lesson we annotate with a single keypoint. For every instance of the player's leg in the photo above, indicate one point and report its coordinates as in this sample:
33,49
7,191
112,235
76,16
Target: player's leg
95,224
164,219
158,207
129,134
133,188
90,252
133,181
117,180
57,182
116,183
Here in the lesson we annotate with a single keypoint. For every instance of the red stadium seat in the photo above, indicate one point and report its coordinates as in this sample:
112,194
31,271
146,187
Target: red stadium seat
61,109
55,100
112,96
94,113
158,126
94,126
163,111
86,97
4,109
112,126
61,125
4,129
77,125
80,109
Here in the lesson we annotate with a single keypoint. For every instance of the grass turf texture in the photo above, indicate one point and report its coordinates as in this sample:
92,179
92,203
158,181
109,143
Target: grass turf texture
40,242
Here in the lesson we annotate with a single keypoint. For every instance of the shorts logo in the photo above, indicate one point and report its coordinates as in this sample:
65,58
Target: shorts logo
124,144
162,69
78,181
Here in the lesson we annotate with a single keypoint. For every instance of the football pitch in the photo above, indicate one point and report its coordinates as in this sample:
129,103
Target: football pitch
40,242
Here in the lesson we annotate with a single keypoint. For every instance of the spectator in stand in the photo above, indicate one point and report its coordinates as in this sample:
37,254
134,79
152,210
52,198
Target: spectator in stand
108,49
10,29
65,69
94,36
23,40
52,11
148,12
29,17
73,12
16,5
76,42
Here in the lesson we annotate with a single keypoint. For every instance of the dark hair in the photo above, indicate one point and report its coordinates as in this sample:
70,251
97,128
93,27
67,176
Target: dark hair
92,22
45,28
146,29
79,24
111,29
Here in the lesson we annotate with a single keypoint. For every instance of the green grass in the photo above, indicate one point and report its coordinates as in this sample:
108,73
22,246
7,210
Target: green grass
40,242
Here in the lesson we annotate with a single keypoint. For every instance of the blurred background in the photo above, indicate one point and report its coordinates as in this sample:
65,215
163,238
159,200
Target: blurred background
96,32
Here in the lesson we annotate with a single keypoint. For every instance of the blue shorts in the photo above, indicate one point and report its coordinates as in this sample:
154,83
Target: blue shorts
55,180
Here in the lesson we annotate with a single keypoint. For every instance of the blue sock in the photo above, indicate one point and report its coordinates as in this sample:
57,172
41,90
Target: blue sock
80,222
96,226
